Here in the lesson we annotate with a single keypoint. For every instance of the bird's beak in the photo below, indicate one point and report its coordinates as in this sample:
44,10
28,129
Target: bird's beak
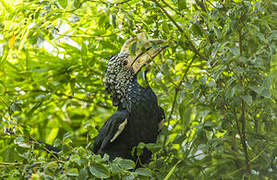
151,48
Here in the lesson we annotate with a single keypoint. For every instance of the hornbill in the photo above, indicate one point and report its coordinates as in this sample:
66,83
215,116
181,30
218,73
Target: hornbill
138,114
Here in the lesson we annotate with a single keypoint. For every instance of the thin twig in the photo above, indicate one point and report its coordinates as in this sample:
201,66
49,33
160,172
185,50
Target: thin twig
177,89
165,3
44,148
181,30
3,101
87,36
56,93
211,4
108,3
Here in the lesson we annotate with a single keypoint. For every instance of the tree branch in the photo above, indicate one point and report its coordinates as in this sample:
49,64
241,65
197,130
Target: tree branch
177,89
87,36
242,118
181,30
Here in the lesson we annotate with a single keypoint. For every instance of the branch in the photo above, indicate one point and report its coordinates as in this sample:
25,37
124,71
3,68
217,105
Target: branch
242,118
10,164
169,6
87,36
56,93
108,3
243,138
45,148
181,30
177,89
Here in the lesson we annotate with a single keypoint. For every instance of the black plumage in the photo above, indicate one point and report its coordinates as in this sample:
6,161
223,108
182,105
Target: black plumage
138,116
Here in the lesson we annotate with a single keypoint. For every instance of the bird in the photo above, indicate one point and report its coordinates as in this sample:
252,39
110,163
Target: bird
138,114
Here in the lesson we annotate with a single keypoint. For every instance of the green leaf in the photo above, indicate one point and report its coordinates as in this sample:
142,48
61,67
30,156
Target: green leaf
196,29
83,173
185,113
257,89
76,3
266,93
20,142
247,99
129,177
143,172
133,48
125,164
115,169
182,4
153,147
63,3
235,51
2,89
72,172
98,170
165,27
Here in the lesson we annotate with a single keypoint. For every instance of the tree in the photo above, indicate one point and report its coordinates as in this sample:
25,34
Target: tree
216,81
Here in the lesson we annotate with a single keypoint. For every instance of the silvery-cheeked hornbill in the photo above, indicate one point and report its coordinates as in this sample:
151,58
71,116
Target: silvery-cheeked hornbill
138,114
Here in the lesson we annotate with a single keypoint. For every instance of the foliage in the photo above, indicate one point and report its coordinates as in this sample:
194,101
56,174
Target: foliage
216,81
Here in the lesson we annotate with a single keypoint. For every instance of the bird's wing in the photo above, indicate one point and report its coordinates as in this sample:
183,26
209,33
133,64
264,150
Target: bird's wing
112,128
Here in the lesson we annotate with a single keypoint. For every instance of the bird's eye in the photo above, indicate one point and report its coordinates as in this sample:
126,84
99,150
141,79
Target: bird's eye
125,62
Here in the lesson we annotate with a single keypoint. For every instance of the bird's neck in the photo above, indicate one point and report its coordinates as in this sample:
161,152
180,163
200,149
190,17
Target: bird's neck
131,95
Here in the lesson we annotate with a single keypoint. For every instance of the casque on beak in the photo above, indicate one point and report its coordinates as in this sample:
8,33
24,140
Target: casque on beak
142,55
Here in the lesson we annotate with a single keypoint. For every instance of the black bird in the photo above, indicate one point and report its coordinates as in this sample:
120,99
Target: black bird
138,114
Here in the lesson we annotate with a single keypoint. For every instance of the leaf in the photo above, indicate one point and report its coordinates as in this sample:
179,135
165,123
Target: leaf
63,124
98,170
24,39
143,172
266,93
133,48
235,51
20,142
182,4
2,89
172,171
11,41
53,134
257,89
130,177
196,29
83,173
76,3
153,147
185,113
63,3
247,99
115,169
7,6
125,164
72,172
35,107
165,27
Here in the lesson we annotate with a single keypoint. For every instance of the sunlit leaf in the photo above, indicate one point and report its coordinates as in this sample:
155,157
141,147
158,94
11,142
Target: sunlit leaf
99,170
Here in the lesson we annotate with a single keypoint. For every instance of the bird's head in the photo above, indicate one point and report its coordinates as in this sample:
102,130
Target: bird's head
123,67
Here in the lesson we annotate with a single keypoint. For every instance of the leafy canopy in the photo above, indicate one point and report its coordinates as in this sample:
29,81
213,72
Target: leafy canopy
216,82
